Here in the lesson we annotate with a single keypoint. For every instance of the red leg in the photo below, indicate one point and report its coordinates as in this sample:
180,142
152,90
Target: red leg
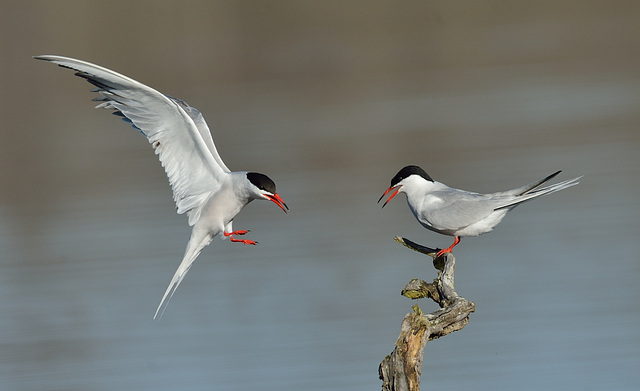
448,250
240,232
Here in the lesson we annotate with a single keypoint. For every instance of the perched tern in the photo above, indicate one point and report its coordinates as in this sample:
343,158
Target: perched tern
203,187
456,212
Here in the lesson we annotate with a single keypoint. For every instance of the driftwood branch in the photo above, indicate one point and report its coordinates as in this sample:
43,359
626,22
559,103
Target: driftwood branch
401,370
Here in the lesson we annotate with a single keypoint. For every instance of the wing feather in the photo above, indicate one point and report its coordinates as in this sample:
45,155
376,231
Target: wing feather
201,124
455,209
177,132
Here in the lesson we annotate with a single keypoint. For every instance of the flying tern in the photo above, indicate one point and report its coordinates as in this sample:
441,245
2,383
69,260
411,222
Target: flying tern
459,213
203,187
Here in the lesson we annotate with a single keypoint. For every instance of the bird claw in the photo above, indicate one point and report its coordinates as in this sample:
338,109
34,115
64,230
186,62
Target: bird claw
240,232
448,249
245,241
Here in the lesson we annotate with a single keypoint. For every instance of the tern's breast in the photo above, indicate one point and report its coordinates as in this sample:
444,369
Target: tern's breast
220,209
424,208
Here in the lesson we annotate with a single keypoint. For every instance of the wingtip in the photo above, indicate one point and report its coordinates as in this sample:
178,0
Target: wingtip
555,174
44,57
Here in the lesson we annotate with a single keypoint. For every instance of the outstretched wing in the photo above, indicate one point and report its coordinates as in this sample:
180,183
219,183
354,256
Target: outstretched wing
177,132
198,120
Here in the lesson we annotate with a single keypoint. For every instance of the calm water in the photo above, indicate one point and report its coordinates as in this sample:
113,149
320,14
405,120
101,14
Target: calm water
330,103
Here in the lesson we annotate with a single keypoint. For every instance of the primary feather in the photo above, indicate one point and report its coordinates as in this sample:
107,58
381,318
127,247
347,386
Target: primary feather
186,151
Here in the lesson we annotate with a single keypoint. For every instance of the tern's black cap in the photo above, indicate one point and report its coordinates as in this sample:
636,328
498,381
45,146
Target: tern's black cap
407,172
262,182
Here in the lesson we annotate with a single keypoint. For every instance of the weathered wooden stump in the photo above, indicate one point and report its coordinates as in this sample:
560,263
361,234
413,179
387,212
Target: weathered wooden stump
401,370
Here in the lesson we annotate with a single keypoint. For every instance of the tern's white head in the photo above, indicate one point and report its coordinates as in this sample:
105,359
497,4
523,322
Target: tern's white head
405,177
263,188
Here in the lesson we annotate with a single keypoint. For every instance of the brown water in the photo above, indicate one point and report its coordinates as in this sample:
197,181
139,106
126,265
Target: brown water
329,100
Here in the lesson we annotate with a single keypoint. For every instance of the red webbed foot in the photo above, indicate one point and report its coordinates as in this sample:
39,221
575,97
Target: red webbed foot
240,232
448,249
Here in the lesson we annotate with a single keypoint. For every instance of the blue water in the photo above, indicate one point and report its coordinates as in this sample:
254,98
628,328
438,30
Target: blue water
90,238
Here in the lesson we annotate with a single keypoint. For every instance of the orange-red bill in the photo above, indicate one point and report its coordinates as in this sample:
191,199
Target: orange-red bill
278,201
392,195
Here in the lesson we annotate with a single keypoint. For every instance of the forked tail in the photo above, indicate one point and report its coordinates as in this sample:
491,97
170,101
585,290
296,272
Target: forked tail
533,191
193,250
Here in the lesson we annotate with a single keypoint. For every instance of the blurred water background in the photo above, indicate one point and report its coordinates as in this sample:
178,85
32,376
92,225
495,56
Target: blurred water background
330,99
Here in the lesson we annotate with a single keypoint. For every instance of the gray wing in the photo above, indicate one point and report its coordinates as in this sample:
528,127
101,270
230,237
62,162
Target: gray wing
453,209
201,124
177,132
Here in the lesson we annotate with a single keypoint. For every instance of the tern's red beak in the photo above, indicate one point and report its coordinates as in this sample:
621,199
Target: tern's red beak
397,187
278,201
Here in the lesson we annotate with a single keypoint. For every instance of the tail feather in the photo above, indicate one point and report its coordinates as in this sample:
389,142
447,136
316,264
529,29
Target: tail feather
533,192
194,248
171,289
527,188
